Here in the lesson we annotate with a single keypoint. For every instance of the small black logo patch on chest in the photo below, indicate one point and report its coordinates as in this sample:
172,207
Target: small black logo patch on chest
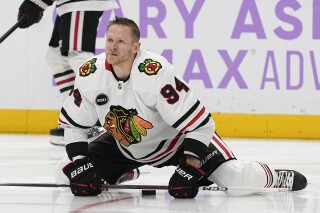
102,99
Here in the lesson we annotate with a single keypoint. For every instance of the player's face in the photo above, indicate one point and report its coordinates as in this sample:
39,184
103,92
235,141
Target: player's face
120,47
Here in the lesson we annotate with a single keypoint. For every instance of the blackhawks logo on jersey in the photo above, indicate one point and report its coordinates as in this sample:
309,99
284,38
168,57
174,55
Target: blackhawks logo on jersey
125,125
88,67
150,67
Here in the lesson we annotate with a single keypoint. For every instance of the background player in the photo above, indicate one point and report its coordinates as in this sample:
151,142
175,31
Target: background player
72,41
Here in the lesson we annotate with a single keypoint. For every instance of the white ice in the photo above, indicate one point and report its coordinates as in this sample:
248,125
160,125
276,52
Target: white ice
32,159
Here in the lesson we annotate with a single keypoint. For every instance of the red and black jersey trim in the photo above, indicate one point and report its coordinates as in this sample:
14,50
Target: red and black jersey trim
72,122
64,78
158,155
222,147
203,123
161,144
268,175
108,66
187,115
148,162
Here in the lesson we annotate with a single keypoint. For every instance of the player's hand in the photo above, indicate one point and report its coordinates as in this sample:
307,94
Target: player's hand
84,181
33,12
184,182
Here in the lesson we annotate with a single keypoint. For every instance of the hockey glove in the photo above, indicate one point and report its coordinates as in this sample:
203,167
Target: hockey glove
84,181
184,182
33,11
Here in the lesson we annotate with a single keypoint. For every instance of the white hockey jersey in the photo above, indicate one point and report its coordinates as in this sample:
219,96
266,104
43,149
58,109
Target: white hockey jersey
65,6
151,115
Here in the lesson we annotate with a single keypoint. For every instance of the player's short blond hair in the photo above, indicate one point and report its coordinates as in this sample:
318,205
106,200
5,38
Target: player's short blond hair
127,22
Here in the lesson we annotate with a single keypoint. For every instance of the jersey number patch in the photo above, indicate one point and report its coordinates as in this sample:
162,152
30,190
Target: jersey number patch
171,93
77,97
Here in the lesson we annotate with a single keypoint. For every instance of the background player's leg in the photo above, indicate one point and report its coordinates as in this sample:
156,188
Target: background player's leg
62,73
72,43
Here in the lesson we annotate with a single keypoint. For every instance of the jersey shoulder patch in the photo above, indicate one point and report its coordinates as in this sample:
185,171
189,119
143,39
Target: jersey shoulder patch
151,71
88,68
150,67
90,72
91,65
150,63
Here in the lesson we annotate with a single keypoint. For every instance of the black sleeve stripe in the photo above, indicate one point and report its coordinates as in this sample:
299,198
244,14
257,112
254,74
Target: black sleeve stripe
63,73
161,144
128,152
156,150
65,114
185,116
159,147
153,162
204,122
66,89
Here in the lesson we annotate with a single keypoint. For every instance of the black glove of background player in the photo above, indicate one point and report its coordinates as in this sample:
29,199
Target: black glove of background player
184,182
84,181
33,12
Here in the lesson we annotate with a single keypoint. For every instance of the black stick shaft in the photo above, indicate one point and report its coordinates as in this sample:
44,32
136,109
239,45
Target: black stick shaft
35,184
247,190
13,28
146,187
66,185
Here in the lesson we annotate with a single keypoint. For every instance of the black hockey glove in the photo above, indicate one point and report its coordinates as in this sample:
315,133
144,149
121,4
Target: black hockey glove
84,181
33,11
184,182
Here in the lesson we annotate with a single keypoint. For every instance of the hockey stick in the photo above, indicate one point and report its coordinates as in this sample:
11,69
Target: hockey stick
13,28
247,190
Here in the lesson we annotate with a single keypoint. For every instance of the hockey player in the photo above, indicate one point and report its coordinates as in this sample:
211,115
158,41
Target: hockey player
152,118
73,40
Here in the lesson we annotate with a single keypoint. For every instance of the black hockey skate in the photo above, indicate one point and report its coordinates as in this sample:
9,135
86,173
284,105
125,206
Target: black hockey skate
290,179
95,132
56,136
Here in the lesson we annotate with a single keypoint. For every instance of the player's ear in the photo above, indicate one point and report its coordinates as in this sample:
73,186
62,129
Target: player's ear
136,46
